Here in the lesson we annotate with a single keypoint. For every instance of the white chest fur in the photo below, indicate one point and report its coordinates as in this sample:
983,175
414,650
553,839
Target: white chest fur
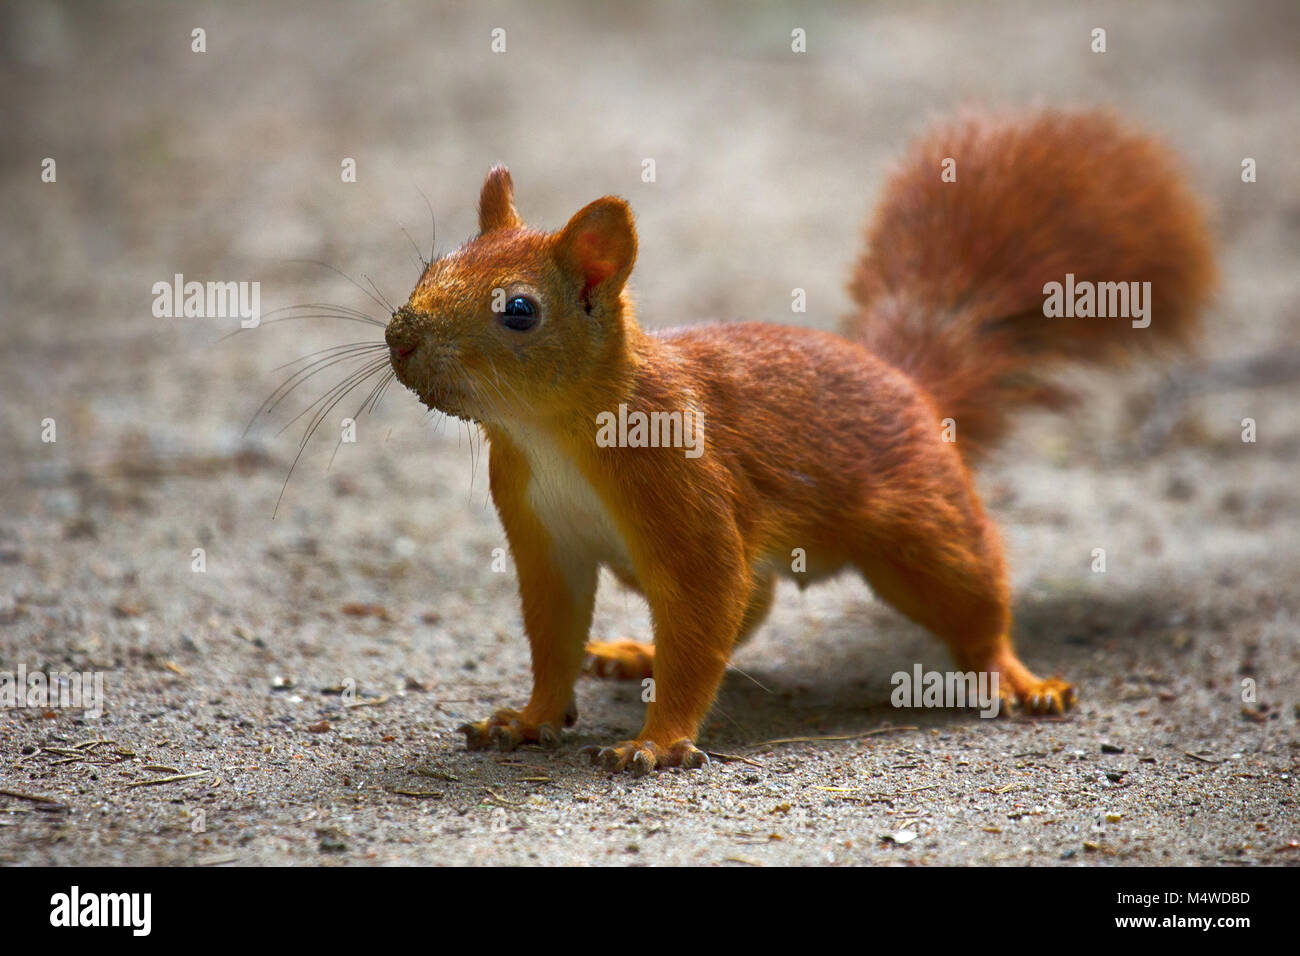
581,528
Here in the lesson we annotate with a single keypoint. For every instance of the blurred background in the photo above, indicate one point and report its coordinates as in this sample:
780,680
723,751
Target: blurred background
225,166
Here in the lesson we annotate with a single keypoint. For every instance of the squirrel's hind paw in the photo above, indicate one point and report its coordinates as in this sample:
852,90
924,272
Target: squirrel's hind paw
507,729
620,660
642,756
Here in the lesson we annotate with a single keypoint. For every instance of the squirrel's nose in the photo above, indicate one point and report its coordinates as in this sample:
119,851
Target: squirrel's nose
402,339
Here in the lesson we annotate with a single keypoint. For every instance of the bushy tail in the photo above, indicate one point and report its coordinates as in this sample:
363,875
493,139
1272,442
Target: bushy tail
951,288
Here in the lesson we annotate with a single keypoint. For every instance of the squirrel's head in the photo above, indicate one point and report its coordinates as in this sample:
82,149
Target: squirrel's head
518,322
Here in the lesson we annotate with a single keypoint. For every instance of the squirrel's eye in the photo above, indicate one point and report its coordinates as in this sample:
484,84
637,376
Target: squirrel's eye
519,314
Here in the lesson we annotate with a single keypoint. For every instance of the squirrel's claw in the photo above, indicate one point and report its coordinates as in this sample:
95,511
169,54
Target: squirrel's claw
507,729
476,735
642,756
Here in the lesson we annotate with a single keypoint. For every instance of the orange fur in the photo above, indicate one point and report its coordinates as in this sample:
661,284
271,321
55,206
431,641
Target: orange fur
811,441
951,288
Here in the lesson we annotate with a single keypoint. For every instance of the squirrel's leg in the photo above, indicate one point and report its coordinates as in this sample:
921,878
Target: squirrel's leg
635,660
557,609
760,602
952,581
697,608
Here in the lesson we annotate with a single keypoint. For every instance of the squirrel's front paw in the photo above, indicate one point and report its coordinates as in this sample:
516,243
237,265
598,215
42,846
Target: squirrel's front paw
1041,697
642,756
506,730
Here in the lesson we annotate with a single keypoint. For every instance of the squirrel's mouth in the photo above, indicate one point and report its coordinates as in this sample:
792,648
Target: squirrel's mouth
436,382
446,399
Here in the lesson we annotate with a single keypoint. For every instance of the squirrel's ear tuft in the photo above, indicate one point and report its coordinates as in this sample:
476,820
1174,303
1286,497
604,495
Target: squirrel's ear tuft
598,247
496,204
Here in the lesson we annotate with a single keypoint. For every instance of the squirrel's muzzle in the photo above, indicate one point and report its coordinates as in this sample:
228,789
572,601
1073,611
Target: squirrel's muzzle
402,333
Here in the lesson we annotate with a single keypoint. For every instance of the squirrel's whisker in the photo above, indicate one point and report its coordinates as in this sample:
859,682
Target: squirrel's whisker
372,285
351,382
285,388
433,227
364,290
341,388
351,346
392,377
418,254
328,306
366,401
366,320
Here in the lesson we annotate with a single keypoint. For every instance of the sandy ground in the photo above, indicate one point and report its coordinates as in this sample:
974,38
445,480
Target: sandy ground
226,165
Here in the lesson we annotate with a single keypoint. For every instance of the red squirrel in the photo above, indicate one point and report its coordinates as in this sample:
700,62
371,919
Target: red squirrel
834,444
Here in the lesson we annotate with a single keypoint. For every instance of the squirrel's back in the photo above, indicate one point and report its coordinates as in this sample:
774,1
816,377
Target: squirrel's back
951,289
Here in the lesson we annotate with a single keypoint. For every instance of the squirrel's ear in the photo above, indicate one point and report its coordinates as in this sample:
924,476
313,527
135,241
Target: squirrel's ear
598,247
496,204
